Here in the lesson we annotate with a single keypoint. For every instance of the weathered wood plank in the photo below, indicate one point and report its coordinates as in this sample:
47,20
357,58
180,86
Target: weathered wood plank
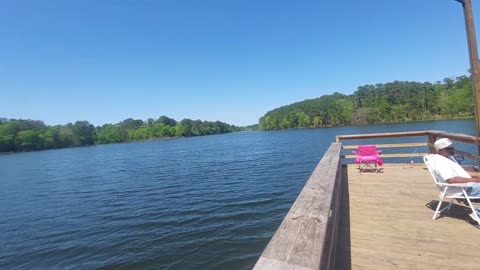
467,155
271,264
390,145
430,133
299,241
455,136
381,135
394,155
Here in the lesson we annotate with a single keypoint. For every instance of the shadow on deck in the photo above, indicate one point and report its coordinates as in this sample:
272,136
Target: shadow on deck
386,223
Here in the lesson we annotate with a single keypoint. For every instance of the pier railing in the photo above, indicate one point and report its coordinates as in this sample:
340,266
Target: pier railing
307,237
432,136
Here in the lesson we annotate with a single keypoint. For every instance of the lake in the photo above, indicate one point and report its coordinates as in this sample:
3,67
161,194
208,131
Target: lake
209,202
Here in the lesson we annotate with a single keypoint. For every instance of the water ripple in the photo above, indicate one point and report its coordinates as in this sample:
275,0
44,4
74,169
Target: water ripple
200,203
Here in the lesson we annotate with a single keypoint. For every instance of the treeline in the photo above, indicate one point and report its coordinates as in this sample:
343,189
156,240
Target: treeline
30,135
381,103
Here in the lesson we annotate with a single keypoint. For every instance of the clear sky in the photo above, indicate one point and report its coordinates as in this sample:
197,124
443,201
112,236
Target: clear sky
228,60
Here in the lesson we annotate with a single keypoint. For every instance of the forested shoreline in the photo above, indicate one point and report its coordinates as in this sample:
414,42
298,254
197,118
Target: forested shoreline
397,101
17,135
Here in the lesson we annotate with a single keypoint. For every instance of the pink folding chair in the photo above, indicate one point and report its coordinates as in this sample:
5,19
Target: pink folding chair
368,157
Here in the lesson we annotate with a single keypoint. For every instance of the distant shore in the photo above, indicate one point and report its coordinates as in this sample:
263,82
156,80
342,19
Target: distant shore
177,137
383,123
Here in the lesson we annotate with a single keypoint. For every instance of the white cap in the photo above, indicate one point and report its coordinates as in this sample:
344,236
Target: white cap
442,143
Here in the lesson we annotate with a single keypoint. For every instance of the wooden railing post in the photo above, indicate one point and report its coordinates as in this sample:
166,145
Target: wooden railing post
431,140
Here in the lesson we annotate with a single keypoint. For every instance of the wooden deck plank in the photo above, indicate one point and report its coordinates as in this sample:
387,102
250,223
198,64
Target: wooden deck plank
390,223
406,155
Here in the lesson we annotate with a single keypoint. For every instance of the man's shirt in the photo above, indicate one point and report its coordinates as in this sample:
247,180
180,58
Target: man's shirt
446,168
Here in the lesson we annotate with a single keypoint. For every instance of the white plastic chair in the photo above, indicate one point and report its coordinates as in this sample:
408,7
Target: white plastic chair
443,187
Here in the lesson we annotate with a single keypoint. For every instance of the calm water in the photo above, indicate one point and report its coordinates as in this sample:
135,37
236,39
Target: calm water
208,202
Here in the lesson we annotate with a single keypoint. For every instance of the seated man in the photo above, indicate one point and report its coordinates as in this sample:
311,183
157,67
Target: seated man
447,169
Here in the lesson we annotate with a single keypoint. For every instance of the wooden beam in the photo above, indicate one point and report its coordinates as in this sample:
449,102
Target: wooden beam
455,137
381,135
397,155
390,145
299,242
466,154
474,62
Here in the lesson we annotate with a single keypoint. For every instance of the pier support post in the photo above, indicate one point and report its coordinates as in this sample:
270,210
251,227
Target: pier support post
474,61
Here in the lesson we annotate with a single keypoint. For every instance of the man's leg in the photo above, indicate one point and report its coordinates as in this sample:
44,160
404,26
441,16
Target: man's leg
474,191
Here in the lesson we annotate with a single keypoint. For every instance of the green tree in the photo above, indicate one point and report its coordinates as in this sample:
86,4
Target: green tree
316,121
110,133
83,133
28,140
166,121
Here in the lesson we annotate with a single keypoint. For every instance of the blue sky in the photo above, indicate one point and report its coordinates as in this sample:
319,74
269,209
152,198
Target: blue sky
228,60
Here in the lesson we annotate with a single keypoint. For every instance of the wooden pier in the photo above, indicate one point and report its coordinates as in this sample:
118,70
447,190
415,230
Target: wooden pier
388,224
344,219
